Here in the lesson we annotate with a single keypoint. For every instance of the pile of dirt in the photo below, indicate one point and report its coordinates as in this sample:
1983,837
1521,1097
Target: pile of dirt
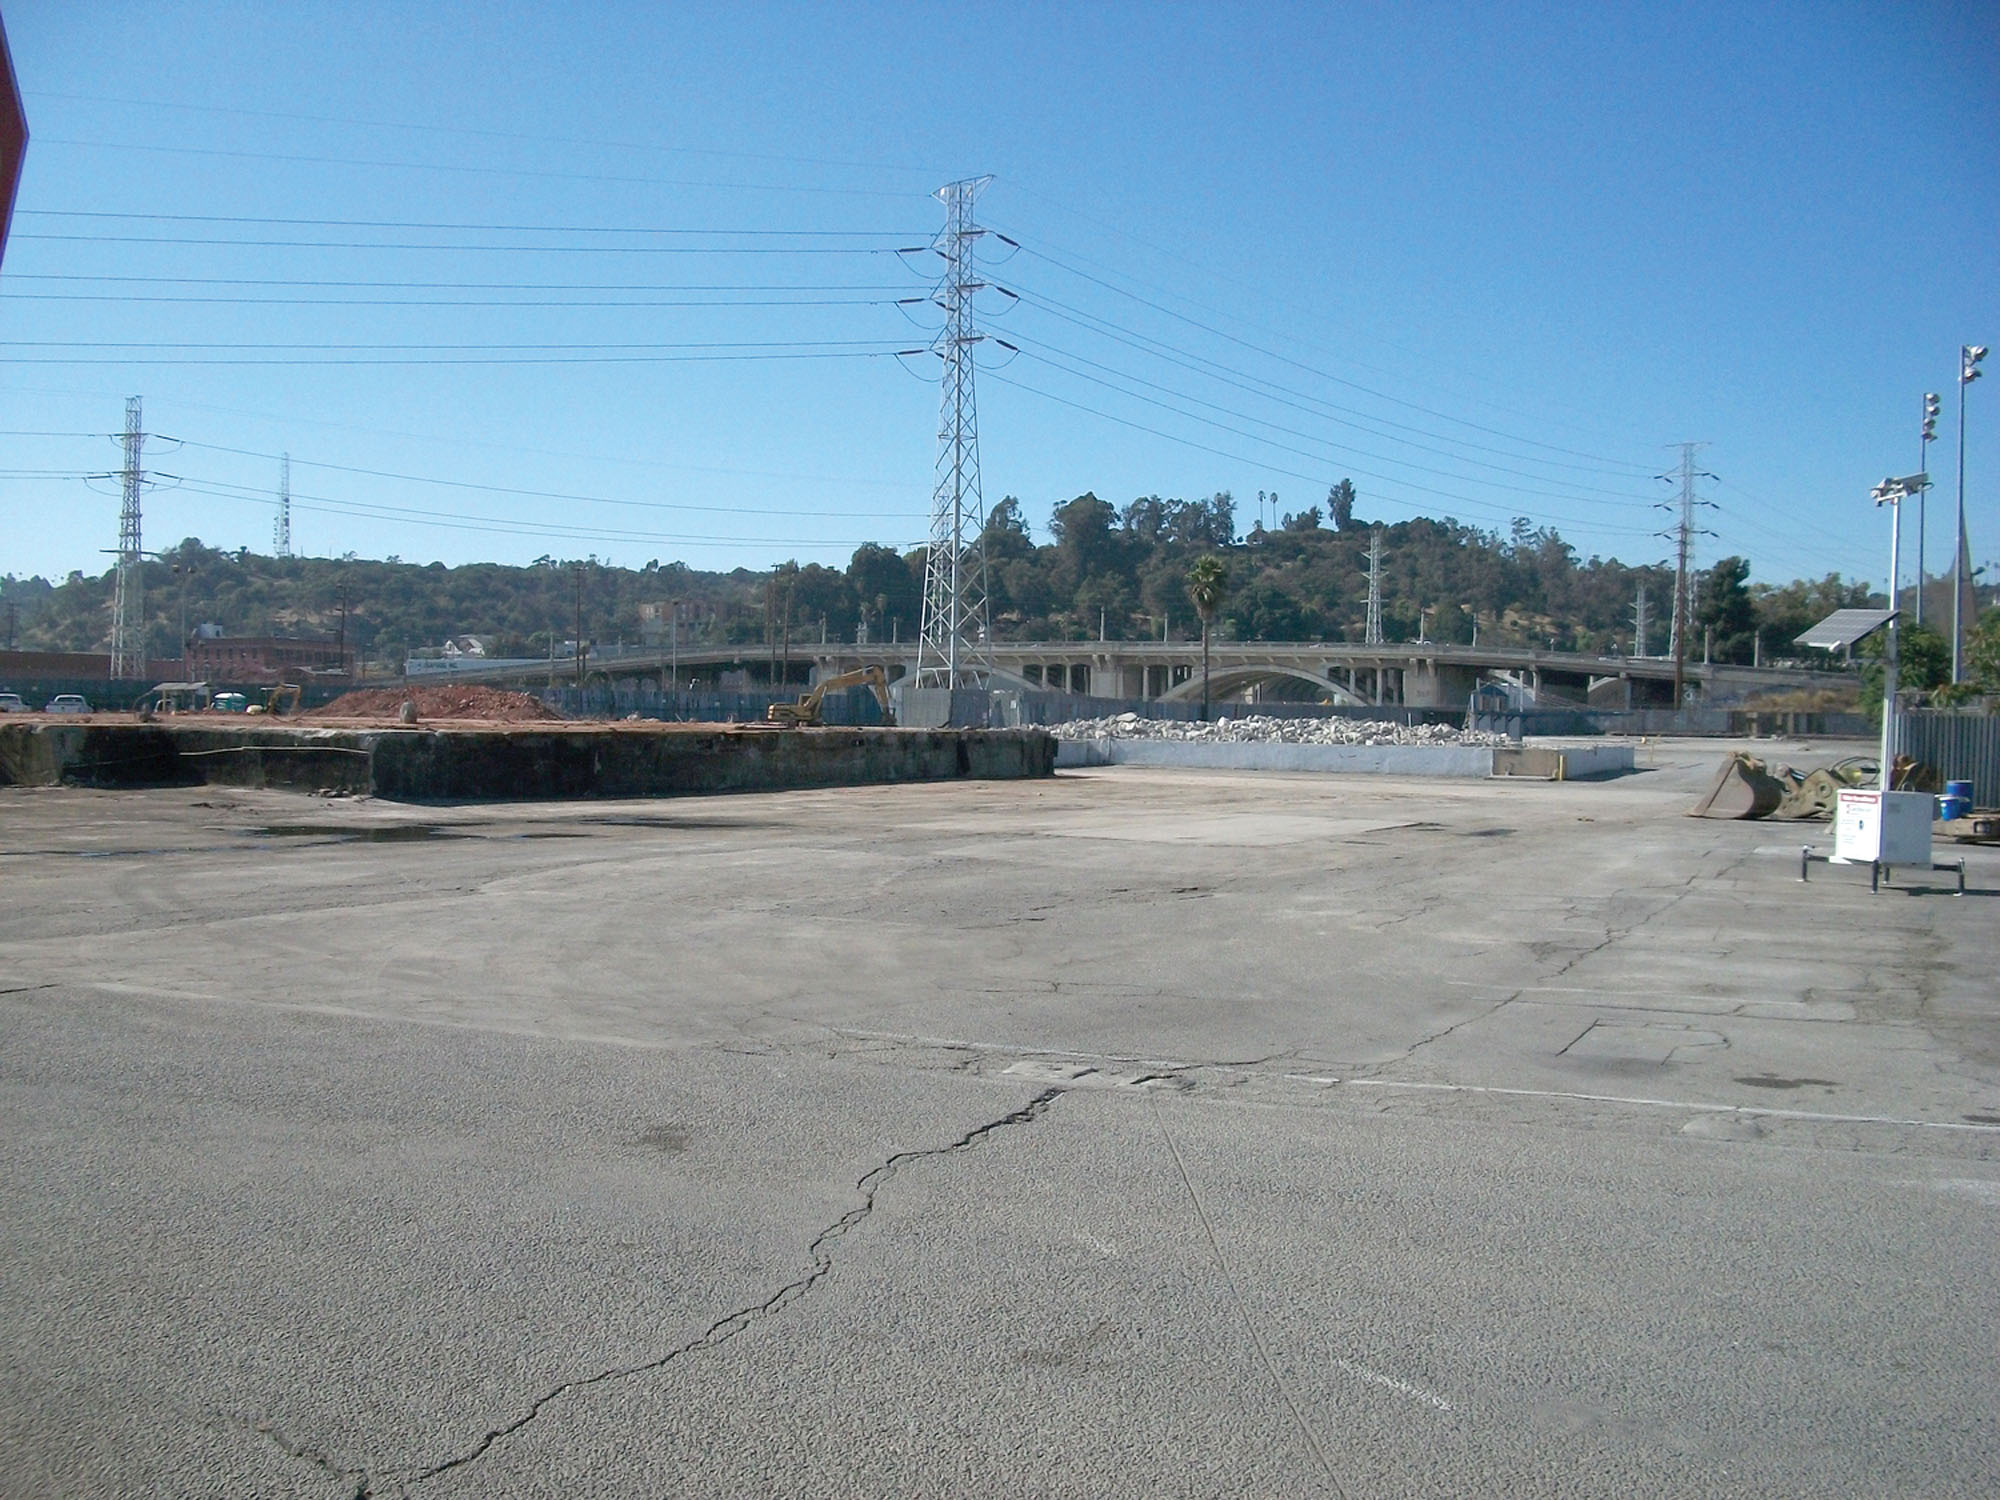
491,705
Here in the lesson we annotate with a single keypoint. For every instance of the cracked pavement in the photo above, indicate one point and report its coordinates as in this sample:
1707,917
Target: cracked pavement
1138,1132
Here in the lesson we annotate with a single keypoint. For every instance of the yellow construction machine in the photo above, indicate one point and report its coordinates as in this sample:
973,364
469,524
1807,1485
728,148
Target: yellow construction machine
280,700
805,713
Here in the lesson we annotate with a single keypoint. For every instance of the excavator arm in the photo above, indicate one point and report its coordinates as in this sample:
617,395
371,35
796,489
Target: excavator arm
805,712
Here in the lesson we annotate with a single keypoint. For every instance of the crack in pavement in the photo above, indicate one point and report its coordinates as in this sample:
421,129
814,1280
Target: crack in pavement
361,1479
726,1328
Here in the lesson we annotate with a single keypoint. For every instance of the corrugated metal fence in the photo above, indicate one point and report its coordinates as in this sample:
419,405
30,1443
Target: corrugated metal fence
1963,747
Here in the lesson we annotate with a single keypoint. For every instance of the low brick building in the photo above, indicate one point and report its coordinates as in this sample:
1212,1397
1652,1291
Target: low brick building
263,658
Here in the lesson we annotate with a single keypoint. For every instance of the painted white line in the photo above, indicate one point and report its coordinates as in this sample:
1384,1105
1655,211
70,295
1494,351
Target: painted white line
1390,1383
1763,1111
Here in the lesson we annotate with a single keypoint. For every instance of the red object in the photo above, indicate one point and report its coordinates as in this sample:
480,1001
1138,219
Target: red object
13,137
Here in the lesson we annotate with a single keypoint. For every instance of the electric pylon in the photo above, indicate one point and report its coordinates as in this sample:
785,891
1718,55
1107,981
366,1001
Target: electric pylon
1683,535
281,529
128,615
953,649
1641,622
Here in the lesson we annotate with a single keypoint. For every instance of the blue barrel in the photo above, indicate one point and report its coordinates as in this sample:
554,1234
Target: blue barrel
1956,801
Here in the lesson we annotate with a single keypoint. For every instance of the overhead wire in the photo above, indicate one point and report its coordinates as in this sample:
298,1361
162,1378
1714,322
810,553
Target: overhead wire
374,510
1347,416
485,171
1618,464
1580,499
536,494
1238,457
1125,233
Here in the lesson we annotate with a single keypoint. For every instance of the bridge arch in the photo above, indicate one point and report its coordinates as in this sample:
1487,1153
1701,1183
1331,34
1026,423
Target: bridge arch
1234,678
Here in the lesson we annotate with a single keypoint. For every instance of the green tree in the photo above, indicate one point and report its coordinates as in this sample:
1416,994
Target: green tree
1207,586
1340,505
1982,652
1923,664
1723,607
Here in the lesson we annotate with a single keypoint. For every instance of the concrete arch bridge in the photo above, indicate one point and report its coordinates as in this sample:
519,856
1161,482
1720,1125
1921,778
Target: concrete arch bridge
1416,674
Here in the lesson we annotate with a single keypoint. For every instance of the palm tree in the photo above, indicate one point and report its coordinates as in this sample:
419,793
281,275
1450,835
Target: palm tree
1207,586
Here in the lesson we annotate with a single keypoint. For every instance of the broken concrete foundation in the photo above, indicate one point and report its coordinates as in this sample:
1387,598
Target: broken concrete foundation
486,763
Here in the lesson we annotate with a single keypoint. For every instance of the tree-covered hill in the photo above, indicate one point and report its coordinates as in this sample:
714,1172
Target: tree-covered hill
1118,572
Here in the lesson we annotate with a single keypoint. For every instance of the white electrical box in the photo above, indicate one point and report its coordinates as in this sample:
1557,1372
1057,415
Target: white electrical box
1883,828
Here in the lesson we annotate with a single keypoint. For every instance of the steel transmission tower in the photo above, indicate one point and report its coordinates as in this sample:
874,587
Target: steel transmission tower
953,649
1373,635
281,529
1641,622
128,615
1682,535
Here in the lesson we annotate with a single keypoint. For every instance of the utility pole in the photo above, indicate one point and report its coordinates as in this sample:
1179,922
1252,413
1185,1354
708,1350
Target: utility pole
952,645
281,528
1683,534
13,622
1373,635
579,636
128,615
341,640
1641,625
1969,358
1930,436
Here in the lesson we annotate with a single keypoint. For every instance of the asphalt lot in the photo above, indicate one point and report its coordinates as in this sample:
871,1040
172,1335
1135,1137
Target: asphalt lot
1134,1133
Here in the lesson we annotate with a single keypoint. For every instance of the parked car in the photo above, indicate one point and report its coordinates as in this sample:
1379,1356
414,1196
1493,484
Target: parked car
68,703
10,703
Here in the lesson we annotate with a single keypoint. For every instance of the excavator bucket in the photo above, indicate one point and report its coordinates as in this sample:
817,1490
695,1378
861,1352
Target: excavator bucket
1742,789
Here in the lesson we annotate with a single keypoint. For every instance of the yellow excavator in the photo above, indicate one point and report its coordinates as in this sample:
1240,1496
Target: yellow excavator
280,700
804,714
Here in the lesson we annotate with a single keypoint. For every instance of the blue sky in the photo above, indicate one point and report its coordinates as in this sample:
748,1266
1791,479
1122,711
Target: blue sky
508,281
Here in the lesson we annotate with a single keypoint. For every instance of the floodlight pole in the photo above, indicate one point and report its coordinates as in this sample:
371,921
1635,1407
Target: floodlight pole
1891,493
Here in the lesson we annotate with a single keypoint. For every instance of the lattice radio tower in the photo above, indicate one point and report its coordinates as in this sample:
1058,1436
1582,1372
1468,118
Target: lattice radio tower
281,528
953,649
1373,636
128,614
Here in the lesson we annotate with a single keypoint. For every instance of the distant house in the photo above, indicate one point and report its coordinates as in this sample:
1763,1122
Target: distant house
464,645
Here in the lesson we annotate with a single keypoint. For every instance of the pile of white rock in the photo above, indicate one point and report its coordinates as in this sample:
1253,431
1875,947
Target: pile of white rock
1259,729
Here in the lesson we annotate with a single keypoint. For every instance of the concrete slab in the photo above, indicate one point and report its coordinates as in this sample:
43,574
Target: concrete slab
1487,1139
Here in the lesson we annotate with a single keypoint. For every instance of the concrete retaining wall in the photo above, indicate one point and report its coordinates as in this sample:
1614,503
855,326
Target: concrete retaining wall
1576,764
501,765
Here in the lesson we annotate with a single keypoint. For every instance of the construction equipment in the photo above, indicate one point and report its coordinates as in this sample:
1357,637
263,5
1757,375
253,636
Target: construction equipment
804,714
280,700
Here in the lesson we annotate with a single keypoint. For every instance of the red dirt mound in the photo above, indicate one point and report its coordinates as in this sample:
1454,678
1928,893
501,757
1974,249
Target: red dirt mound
491,705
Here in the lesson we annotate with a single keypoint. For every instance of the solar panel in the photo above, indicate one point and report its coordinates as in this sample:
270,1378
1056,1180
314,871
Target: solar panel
1844,627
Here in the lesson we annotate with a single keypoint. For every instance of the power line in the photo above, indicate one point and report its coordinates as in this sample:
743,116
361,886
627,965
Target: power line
123,298
455,248
1309,454
504,135
1579,499
583,359
455,520
1225,277
1229,375
1318,373
464,286
441,226
1319,478
424,166
566,496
